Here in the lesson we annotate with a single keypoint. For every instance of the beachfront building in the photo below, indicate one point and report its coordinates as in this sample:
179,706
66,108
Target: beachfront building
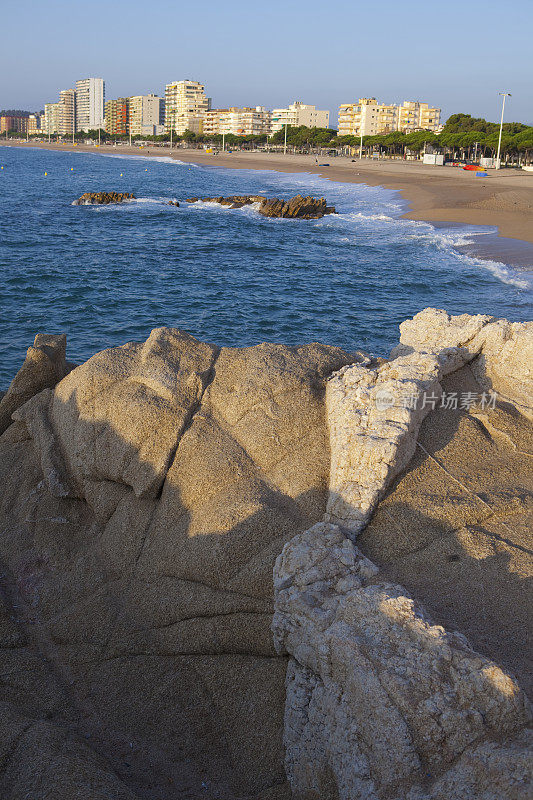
415,116
90,99
60,117
36,124
67,112
298,114
185,106
52,115
368,117
16,123
146,115
237,121
117,116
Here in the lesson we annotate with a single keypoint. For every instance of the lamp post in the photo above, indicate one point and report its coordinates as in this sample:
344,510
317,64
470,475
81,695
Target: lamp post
503,95
285,141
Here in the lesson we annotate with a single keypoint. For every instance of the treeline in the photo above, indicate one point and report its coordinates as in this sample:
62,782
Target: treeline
14,112
462,136
296,137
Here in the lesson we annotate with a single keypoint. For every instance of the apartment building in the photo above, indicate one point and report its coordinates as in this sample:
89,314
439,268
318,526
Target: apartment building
13,123
297,114
413,116
367,117
90,103
117,116
67,112
185,106
52,113
237,121
36,124
60,118
146,115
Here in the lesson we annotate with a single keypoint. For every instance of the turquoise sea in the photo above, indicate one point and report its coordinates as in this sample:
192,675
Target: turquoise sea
108,275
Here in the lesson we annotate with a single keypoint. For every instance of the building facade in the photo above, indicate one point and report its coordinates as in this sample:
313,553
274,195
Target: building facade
60,118
13,123
368,117
414,116
67,103
146,115
298,114
36,124
185,106
52,114
237,121
117,113
90,104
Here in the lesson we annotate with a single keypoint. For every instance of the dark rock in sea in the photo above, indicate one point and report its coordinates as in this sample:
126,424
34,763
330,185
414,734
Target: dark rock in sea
103,198
173,203
298,207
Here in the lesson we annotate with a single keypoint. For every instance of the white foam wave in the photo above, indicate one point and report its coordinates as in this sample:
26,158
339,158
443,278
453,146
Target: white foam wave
199,205
500,271
159,159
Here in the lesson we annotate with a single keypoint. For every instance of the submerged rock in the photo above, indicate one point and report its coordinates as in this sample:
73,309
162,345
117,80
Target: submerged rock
298,207
103,198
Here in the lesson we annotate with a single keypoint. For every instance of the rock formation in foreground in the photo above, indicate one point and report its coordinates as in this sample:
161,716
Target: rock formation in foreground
297,207
147,498
103,198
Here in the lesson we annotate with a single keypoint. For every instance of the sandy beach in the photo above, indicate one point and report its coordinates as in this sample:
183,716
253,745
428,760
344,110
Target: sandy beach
435,194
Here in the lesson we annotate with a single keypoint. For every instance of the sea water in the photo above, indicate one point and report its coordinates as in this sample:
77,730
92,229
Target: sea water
106,275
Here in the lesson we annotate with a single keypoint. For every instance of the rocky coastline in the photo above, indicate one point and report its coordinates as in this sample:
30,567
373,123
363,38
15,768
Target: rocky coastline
297,207
103,198
269,572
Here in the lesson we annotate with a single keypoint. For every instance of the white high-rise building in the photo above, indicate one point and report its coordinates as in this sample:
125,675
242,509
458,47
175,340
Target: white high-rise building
90,103
185,106
298,114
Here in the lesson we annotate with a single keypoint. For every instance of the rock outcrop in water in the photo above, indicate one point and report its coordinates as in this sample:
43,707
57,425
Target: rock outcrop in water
298,207
103,198
146,496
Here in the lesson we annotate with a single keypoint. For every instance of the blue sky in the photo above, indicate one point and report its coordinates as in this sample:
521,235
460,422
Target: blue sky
457,55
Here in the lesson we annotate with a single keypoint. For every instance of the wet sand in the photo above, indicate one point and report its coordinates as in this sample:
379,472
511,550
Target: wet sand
503,200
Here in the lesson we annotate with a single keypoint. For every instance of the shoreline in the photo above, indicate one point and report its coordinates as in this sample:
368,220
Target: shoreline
441,195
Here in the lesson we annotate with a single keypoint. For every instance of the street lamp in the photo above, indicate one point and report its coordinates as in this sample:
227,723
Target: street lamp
503,95
285,142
